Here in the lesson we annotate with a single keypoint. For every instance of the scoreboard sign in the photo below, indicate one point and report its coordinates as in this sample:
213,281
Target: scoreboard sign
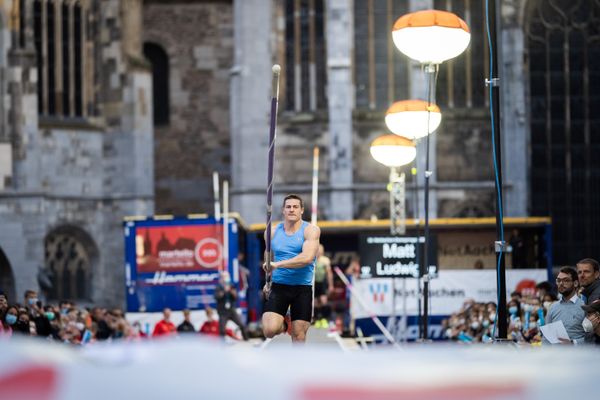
394,256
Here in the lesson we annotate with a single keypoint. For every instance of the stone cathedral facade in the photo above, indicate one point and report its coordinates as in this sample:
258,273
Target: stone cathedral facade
76,144
115,108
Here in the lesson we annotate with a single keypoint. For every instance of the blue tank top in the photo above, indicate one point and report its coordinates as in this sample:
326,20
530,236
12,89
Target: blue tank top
286,246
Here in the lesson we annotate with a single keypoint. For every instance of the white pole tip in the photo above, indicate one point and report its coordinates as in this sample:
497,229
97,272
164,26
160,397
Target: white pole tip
276,69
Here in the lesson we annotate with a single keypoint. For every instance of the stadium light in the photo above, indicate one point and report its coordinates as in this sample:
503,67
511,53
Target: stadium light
413,119
431,36
393,150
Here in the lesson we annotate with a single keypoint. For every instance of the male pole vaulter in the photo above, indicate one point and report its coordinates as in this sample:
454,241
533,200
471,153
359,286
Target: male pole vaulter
294,244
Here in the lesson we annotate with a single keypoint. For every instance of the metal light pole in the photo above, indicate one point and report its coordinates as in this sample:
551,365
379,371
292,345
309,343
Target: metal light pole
493,84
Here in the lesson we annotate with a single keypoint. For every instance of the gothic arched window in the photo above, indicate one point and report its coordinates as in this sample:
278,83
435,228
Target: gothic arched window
70,254
160,82
61,39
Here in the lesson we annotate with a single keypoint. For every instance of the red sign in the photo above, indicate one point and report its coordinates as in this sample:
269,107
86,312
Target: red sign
178,248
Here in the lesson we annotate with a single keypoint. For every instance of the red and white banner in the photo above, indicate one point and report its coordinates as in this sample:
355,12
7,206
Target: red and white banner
178,248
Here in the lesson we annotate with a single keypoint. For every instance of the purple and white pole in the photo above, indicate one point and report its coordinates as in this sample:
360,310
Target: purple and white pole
272,134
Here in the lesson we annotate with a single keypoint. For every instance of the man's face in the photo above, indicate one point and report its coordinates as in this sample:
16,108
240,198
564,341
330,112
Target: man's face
565,284
167,314
292,210
3,303
31,298
586,274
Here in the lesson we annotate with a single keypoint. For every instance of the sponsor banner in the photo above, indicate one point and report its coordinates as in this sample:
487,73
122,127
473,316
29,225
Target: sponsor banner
384,256
447,293
176,263
178,248
395,325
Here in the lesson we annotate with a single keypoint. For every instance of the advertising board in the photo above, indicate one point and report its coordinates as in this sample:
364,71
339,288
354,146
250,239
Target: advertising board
176,263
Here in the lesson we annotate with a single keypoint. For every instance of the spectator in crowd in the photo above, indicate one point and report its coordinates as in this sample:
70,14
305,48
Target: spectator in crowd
136,331
591,322
119,323
53,318
36,313
65,306
24,325
548,299
211,325
544,288
514,309
9,321
3,310
31,298
3,303
322,287
226,297
568,309
164,327
588,271
516,296
186,326
99,322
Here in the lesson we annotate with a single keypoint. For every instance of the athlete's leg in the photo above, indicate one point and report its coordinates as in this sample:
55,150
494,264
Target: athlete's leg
275,310
272,324
301,310
299,329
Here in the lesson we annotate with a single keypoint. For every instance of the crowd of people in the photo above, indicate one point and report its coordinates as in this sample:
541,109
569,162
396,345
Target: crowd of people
576,304
574,300
68,323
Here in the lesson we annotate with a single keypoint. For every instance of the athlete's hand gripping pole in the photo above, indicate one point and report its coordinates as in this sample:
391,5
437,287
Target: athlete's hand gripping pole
272,134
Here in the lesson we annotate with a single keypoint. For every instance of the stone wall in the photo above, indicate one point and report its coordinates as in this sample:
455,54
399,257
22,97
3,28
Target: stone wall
198,39
84,175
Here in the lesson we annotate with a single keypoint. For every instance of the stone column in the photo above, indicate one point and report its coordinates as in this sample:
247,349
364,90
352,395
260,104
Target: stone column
250,107
340,91
514,117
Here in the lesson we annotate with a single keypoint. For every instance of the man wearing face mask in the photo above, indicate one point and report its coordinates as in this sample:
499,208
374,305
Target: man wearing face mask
568,308
591,322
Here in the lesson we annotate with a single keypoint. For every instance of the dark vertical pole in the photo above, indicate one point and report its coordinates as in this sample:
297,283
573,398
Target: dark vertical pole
418,235
494,87
430,71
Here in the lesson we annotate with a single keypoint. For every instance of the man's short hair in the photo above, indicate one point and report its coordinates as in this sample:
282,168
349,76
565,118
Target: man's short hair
591,262
295,197
570,271
29,292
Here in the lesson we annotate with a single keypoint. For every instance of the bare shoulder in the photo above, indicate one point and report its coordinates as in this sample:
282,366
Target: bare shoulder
312,232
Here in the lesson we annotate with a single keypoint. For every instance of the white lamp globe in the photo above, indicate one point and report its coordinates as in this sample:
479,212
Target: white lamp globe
413,119
393,150
431,36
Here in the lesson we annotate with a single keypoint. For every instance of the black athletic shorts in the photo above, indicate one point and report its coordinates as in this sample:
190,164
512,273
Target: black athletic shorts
321,288
298,298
